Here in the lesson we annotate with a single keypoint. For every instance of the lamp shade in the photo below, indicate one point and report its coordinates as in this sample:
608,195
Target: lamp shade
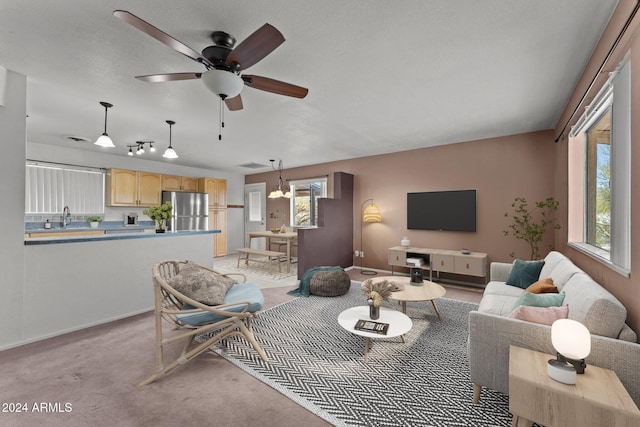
571,339
371,213
104,141
225,84
276,194
170,153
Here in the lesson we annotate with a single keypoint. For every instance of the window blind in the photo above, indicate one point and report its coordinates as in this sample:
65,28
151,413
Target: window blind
49,188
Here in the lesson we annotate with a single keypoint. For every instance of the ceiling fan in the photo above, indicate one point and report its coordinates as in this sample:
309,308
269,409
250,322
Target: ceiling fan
222,61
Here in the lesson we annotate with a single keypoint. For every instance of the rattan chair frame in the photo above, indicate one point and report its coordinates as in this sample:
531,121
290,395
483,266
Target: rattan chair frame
168,303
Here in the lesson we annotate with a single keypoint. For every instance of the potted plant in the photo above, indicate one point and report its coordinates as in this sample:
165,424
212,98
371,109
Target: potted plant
160,214
276,216
530,224
94,221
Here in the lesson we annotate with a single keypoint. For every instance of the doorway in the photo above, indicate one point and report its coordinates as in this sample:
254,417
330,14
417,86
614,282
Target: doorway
255,196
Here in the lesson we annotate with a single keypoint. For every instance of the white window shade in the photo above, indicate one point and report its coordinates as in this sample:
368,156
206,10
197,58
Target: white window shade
48,189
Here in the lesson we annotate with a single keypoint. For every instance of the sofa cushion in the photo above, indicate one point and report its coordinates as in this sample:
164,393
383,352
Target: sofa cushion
542,315
550,261
500,305
593,306
501,288
524,273
562,272
543,286
539,300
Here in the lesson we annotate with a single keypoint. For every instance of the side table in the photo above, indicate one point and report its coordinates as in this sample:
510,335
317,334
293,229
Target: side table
399,324
597,399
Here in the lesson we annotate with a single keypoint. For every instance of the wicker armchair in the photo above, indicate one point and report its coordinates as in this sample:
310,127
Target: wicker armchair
231,318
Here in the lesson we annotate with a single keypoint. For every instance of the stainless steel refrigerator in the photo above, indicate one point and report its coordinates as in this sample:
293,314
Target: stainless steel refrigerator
190,210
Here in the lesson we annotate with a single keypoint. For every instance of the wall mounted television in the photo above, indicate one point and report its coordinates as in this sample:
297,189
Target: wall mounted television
442,210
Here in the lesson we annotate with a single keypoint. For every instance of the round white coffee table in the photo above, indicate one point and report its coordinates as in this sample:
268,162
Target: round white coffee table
399,324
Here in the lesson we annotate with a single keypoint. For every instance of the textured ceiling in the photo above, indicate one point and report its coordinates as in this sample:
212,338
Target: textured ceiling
383,76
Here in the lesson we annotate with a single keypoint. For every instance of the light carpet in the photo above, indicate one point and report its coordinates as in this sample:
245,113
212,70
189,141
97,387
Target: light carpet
315,362
258,272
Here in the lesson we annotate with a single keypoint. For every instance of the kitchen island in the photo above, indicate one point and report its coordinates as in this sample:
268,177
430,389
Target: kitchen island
74,282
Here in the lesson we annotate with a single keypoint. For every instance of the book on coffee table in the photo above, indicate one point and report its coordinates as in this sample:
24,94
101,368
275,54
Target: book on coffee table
371,326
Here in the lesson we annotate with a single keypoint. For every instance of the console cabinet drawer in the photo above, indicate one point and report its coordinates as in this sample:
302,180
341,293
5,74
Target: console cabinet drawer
443,263
471,266
397,257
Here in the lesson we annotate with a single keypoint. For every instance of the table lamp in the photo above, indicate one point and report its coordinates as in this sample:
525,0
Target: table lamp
572,342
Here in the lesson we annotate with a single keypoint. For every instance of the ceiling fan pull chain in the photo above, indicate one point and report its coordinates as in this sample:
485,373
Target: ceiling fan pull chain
221,122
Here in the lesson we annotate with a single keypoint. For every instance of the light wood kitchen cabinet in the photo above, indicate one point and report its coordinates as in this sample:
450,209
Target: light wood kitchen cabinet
63,234
217,190
179,183
218,221
133,188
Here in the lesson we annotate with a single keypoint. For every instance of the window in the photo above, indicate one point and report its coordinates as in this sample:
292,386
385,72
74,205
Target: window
600,175
304,201
49,188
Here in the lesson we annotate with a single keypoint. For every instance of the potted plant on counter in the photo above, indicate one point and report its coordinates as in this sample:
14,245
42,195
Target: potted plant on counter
94,221
160,214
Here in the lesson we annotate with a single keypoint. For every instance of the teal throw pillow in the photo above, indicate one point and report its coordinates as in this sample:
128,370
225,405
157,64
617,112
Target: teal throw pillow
539,300
525,273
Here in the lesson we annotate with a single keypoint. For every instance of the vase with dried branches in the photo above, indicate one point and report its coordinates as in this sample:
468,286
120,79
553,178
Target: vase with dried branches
376,291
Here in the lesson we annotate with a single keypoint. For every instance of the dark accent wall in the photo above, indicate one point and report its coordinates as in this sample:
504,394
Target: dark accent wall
330,244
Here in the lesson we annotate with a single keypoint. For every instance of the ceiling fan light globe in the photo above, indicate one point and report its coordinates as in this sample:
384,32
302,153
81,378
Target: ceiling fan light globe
104,141
223,83
170,153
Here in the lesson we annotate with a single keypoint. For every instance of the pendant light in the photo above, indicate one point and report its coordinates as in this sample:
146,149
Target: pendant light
278,191
170,153
104,140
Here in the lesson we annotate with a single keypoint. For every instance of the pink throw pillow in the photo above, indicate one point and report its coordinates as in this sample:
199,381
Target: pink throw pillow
543,315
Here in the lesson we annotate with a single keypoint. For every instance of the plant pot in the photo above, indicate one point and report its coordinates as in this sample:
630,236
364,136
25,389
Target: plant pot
160,225
94,224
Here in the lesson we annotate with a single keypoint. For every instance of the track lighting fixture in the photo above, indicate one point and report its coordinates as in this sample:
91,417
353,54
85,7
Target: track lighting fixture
139,146
170,153
104,140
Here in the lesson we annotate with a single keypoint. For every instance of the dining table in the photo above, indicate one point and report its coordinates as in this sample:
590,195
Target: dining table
288,236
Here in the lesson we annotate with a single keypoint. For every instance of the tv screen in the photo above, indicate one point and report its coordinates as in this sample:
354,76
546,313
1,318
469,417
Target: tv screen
442,210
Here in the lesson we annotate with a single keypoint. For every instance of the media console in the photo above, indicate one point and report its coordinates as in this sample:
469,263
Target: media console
440,260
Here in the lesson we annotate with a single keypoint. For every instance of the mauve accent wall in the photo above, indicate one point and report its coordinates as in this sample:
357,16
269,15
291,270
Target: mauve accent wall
331,243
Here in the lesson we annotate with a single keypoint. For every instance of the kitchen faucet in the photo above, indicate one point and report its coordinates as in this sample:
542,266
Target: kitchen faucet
66,216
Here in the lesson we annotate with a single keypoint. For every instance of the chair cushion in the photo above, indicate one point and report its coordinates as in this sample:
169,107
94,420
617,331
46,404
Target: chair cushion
243,292
524,273
201,284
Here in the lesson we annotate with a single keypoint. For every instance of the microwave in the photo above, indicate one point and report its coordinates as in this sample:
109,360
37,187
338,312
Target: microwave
130,219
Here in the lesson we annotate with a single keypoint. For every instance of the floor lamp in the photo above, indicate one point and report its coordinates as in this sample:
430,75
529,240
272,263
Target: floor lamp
369,214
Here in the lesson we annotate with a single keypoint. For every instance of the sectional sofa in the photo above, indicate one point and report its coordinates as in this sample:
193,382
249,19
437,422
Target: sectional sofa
492,331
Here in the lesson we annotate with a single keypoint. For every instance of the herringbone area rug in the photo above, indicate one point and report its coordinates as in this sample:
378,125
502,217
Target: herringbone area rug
422,382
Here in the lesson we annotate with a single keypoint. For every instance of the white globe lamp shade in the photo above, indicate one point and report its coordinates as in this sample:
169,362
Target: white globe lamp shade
225,84
571,339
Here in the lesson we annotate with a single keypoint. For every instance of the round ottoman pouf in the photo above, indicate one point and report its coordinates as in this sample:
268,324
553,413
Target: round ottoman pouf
331,283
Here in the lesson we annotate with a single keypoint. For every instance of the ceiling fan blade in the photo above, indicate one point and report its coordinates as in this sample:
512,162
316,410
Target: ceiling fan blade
255,47
275,86
160,35
159,78
234,104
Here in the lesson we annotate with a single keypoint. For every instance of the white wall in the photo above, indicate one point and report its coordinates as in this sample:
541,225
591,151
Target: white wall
12,177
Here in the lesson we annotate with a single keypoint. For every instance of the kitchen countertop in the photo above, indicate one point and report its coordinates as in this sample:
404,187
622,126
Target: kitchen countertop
102,237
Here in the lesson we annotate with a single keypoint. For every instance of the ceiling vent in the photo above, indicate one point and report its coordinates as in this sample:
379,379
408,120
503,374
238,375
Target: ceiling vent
253,165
